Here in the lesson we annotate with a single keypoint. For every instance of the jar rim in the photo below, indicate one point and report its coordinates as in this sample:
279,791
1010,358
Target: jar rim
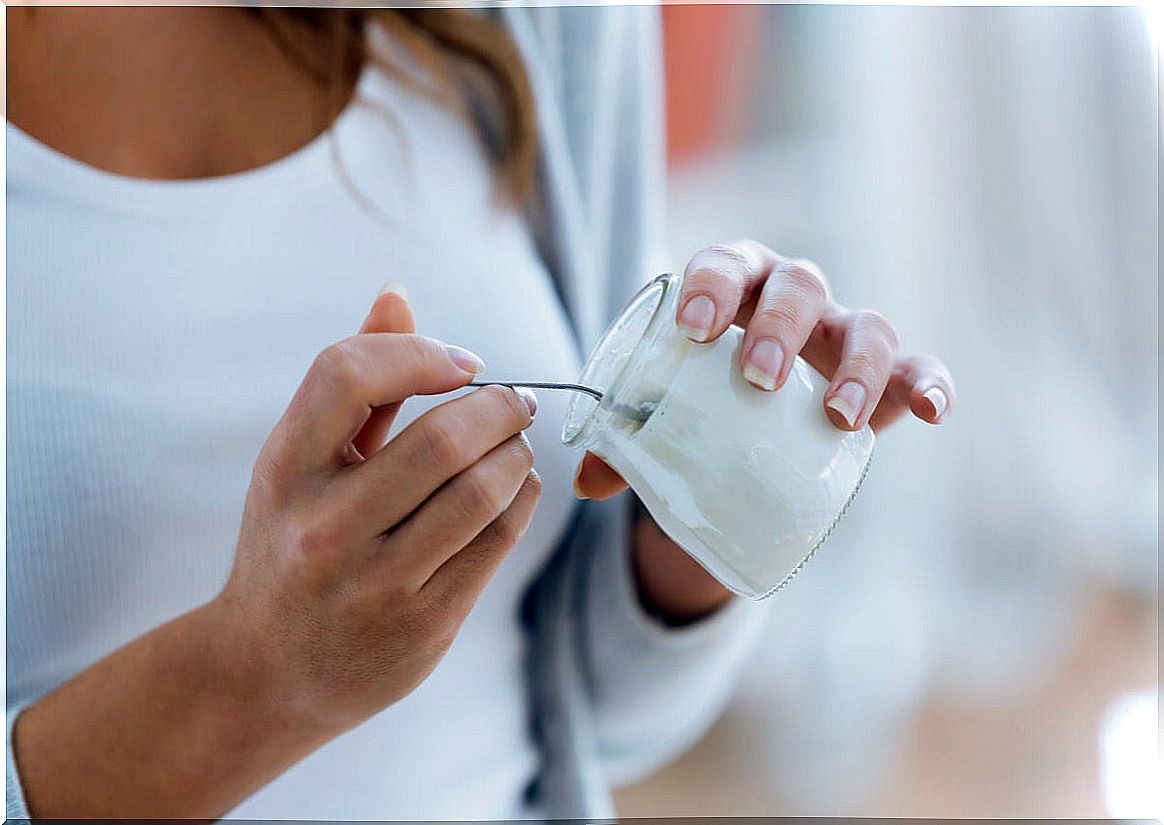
579,420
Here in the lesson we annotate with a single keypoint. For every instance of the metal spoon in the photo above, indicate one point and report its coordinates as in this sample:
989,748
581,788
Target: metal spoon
542,385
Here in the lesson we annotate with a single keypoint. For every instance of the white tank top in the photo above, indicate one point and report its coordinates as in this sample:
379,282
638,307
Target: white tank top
156,331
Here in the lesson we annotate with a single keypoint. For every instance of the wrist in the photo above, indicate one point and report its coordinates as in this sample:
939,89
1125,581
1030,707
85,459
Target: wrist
671,585
178,723
257,681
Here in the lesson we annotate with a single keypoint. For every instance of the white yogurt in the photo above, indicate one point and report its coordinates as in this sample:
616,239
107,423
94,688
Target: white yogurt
748,482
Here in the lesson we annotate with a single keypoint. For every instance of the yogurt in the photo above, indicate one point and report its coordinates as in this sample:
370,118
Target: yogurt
749,483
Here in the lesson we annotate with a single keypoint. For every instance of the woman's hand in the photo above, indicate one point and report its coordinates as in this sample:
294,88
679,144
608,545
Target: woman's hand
354,573
786,309
356,564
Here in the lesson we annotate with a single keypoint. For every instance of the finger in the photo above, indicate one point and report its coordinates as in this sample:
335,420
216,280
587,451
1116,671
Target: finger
717,283
453,516
356,375
390,313
459,581
596,479
445,441
868,356
920,384
792,300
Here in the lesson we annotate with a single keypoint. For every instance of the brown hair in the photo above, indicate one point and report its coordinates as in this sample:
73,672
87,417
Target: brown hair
461,50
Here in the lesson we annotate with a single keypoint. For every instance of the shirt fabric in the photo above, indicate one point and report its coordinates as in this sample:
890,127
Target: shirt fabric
157,329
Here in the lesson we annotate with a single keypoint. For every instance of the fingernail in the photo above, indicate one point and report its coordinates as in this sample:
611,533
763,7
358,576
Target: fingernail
465,359
848,401
577,485
937,397
531,400
697,317
395,287
763,364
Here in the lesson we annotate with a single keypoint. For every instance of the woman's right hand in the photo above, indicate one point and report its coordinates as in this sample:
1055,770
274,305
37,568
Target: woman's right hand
353,574
356,564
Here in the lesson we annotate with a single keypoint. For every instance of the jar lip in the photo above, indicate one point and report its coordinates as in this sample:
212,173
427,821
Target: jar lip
579,422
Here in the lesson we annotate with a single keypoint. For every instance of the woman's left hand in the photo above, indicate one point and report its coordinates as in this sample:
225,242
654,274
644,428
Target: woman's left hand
786,309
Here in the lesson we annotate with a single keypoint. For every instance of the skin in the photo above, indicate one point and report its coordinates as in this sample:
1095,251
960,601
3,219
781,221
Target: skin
357,560
786,307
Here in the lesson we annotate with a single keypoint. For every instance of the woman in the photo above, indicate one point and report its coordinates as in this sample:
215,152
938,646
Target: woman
198,201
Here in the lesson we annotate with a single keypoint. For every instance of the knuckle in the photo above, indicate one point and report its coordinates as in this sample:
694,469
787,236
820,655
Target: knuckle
810,265
476,497
423,619
271,475
393,594
523,452
532,486
337,364
507,529
877,323
779,318
419,348
904,369
316,536
439,441
730,252
935,366
806,278
504,531
719,262
865,362
884,352
508,400
438,620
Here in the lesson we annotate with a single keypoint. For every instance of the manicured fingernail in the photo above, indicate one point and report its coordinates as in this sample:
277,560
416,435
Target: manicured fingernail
697,317
531,400
763,364
578,484
848,401
937,397
395,287
465,359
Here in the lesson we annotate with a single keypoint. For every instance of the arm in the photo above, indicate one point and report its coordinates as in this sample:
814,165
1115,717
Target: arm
356,564
786,309
670,585
182,721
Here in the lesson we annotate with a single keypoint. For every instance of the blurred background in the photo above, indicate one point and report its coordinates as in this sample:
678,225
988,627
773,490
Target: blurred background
979,638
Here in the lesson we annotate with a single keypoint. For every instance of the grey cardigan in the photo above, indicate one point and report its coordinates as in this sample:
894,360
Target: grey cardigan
613,692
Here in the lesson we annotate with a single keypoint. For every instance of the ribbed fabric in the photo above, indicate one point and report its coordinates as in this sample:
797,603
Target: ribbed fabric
156,332
14,805
609,692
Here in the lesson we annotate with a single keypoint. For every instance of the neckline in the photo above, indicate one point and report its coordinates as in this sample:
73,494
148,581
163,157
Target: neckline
29,159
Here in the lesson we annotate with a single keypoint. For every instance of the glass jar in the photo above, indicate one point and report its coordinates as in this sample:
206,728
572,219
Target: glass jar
749,483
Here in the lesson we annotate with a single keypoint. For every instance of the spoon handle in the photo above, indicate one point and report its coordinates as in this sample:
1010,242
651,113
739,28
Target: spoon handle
542,385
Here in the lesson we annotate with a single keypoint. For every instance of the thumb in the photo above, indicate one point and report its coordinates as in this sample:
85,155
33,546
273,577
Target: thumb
390,312
596,479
